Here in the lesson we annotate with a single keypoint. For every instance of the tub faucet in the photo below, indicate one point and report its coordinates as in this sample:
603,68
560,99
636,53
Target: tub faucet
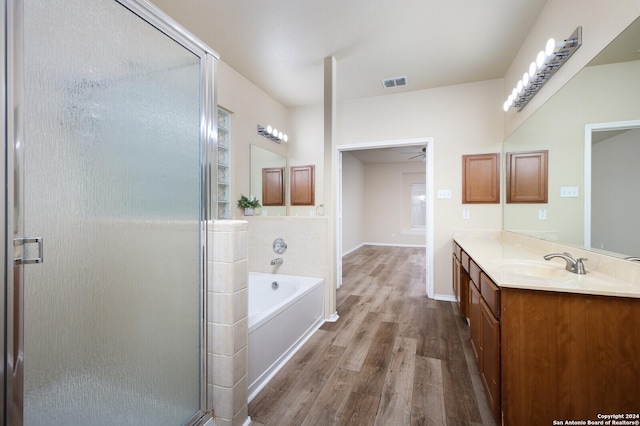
573,265
277,261
633,258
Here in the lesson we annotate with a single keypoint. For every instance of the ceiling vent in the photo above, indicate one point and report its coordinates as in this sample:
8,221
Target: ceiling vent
394,82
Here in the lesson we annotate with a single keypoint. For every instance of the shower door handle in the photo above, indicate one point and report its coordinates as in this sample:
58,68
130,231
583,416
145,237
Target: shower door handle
21,242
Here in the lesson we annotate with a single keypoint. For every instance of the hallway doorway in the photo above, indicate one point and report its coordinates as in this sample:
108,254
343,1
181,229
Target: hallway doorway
419,151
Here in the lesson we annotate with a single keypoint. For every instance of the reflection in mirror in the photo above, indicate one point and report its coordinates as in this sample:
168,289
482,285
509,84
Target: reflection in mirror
614,187
264,159
605,91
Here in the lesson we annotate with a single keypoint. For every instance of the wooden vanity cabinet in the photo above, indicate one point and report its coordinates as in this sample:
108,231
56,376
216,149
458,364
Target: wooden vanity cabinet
547,355
568,356
461,279
475,315
482,308
456,266
489,365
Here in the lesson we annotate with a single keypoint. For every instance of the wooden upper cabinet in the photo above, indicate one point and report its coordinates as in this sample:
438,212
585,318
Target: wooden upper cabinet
302,186
527,177
273,186
481,178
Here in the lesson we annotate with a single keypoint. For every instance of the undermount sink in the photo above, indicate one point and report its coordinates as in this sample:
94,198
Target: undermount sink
533,268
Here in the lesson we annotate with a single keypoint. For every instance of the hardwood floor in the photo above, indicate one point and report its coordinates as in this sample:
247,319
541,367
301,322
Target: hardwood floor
395,357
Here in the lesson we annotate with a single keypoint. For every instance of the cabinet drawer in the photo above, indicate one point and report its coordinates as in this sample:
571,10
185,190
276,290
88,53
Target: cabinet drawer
464,259
474,272
491,294
457,250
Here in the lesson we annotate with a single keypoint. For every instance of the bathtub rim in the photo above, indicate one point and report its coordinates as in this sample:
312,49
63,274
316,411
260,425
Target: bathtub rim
254,325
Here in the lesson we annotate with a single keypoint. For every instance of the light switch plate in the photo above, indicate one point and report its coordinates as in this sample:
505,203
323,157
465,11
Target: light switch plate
568,191
542,214
465,214
444,193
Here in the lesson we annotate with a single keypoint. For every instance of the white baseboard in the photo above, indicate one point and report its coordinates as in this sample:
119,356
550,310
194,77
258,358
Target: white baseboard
352,250
445,297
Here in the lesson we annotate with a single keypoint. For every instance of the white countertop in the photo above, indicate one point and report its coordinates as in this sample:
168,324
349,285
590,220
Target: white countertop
515,265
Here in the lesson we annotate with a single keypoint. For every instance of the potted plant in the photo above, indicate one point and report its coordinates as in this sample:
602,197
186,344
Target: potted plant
248,204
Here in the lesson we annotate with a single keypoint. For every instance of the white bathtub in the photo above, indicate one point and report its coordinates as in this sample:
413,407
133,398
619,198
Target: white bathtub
280,321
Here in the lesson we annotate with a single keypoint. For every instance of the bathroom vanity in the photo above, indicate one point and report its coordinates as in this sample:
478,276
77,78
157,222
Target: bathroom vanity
550,344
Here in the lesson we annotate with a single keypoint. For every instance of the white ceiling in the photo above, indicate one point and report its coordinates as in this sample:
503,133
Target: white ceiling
280,45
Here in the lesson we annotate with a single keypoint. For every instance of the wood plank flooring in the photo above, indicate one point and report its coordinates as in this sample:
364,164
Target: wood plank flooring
395,357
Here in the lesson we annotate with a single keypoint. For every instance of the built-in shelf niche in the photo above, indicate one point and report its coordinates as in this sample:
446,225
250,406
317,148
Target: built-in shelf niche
223,165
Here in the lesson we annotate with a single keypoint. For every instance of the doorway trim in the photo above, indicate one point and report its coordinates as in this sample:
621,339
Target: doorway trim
588,131
429,161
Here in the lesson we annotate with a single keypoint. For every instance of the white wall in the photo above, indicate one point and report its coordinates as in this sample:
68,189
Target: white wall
461,121
601,22
387,210
306,147
249,106
353,203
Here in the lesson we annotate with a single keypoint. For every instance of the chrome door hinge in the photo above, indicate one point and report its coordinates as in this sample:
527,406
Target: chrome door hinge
20,259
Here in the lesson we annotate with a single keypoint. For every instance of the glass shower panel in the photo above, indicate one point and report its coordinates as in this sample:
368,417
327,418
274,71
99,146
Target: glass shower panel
112,184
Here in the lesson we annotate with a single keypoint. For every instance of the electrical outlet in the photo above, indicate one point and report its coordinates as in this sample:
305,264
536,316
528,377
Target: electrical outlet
465,213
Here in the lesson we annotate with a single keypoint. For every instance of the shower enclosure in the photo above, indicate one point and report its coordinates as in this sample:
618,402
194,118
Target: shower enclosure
109,138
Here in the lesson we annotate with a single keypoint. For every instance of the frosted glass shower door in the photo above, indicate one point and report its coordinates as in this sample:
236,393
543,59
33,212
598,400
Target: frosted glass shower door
112,163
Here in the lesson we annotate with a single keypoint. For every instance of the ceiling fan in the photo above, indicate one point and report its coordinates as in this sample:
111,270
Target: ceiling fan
422,153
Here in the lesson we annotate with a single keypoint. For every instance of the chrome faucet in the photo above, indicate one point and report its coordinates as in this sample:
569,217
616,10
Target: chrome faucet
573,265
633,258
277,261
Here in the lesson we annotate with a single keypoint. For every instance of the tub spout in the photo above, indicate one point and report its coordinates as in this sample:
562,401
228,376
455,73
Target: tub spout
277,261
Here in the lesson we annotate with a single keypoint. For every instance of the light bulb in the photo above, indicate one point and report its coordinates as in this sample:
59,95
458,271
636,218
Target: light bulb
532,69
525,79
269,129
279,135
275,132
514,93
285,137
506,106
550,47
540,59
519,86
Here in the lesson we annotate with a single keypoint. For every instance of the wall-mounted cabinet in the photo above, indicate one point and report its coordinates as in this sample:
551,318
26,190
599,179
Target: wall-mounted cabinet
481,178
223,160
527,177
273,186
302,183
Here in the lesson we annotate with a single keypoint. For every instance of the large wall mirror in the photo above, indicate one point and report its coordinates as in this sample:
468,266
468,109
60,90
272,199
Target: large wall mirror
261,160
589,129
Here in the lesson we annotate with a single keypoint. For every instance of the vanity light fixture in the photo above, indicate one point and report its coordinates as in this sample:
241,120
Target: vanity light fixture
547,62
272,133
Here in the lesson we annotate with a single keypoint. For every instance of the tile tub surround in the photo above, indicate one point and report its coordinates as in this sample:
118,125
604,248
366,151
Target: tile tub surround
307,255
606,275
227,321
307,240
